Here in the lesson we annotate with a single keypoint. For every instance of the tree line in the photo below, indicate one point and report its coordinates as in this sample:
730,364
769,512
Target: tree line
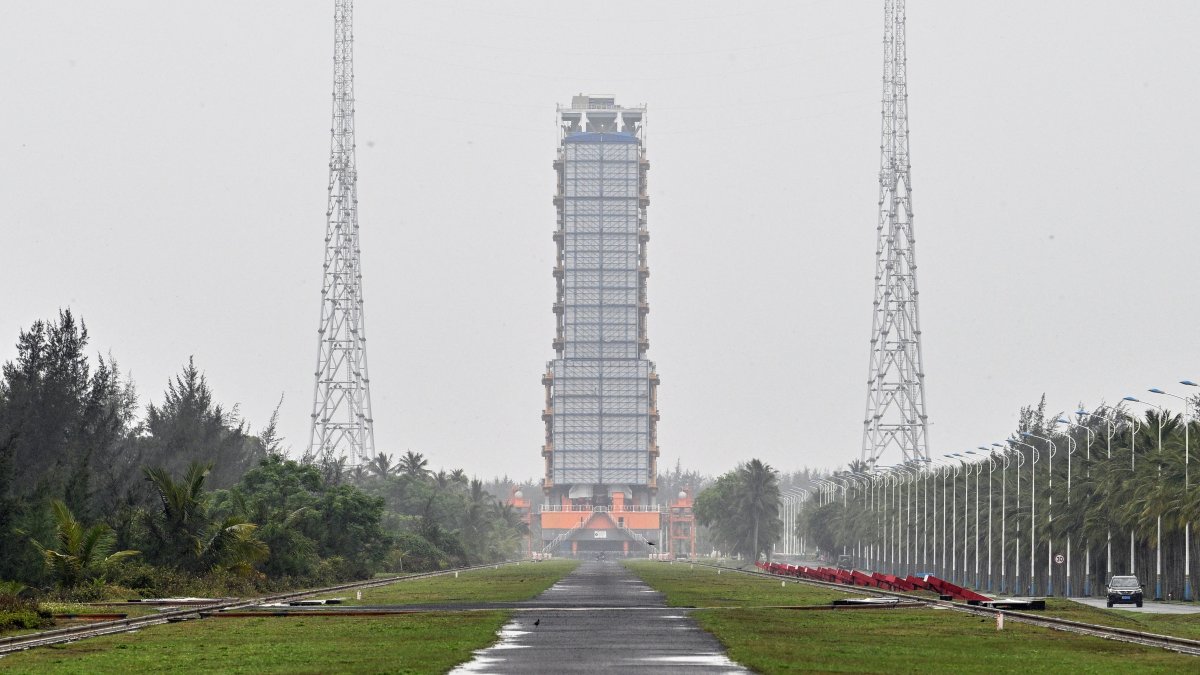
98,492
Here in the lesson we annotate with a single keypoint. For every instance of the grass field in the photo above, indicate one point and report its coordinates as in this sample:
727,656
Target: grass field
1178,625
509,583
412,643
897,640
424,643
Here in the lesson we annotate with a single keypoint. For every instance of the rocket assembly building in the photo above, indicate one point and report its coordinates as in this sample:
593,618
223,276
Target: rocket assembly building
601,413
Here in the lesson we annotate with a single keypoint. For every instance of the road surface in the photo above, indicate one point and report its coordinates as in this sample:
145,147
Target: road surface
1149,606
601,619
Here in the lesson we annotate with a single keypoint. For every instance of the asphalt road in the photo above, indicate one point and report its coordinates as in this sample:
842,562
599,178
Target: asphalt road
1149,606
601,618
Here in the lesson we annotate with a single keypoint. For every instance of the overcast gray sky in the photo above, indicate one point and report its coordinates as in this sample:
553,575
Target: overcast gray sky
165,167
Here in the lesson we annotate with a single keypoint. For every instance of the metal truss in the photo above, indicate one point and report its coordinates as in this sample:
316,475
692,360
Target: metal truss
895,416
342,426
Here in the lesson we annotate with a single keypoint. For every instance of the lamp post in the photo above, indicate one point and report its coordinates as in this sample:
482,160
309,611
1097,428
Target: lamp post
1187,526
1003,512
1049,512
991,460
1108,442
1162,413
954,518
979,470
1032,513
1087,549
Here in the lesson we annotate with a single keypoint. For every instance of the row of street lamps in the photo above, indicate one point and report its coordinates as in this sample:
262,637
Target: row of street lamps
899,499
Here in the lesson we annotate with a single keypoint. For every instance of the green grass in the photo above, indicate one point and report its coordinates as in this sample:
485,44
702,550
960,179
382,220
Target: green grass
885,640
1178,625
415,643
688,585
509,583
428,642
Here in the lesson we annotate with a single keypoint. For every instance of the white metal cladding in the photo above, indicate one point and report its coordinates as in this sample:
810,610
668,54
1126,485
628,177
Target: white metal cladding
601,426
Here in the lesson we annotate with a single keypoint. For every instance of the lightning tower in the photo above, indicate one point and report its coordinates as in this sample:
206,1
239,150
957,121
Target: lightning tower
896,389
341,417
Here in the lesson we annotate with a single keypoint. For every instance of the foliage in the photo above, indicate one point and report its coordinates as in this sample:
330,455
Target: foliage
186,534
741,509
1096,474
82,553
190,427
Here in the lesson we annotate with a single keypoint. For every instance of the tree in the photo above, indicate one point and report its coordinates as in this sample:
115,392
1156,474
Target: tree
414,464
62,426
741,508
82,553
758,499
189,426
185,534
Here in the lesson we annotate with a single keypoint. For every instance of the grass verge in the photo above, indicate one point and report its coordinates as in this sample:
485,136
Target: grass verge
428,642
875,641
508,583
415,643
1177,625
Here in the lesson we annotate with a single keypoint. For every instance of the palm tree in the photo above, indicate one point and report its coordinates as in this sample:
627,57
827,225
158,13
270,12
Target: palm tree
758,501
381,466
414,464
82,552
189,536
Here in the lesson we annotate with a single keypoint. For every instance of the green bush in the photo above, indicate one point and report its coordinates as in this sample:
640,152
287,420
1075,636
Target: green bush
18,613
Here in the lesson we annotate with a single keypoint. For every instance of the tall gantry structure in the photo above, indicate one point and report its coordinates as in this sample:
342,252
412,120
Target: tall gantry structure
895,414
341,417
601,410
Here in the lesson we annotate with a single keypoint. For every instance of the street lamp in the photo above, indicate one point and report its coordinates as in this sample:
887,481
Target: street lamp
991,460
1003,512
1032,512
1049,513
979,470
1162,413
1087,549
1187,526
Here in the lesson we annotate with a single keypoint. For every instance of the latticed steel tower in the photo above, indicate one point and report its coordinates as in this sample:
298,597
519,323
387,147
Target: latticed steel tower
896,397
341,417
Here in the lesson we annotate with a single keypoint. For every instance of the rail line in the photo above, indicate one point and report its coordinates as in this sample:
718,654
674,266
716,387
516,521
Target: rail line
1169,642
17,643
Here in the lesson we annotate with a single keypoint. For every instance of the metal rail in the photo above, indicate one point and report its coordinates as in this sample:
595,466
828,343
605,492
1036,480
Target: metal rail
17,643
1170,642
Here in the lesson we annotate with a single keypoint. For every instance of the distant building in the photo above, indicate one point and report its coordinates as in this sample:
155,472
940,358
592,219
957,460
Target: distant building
601,413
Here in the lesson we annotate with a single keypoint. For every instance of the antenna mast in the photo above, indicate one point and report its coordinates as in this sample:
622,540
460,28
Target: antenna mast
341,419
896,388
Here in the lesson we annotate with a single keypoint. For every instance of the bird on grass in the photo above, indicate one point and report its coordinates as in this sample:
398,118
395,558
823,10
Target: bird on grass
537,622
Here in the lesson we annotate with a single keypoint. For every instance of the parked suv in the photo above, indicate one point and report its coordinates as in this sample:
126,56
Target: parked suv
1124,591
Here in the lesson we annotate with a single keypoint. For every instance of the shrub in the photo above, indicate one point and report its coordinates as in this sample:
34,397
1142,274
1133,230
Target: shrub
18,613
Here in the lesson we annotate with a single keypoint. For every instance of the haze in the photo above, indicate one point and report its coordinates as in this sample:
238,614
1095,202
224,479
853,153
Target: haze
166,166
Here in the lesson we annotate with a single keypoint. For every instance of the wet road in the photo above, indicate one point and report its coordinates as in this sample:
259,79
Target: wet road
601,618
1148,607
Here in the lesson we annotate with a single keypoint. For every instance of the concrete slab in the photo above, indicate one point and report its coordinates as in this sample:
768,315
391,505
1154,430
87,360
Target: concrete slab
1148,607
601,618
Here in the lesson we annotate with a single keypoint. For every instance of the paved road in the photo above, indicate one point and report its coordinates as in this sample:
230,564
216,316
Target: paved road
601,618
1149,607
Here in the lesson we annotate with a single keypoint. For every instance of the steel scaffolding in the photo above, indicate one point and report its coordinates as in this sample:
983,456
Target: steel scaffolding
601,408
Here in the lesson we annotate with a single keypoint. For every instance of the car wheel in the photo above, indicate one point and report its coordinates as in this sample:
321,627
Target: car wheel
1110,605
1139,603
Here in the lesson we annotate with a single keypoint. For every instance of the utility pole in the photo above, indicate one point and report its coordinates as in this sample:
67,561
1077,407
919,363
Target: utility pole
895,414
341,419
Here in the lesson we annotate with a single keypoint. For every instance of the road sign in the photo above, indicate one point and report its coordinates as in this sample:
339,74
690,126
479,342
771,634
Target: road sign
1059,558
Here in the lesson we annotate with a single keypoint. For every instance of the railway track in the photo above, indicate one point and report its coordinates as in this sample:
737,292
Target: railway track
17,643
1172,643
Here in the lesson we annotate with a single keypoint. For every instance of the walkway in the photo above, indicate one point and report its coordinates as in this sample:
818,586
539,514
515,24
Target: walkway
601,618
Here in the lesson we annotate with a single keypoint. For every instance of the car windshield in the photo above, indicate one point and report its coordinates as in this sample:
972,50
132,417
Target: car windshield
1124,581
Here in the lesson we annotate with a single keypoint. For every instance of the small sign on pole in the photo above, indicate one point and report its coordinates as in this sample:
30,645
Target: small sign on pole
1059,558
